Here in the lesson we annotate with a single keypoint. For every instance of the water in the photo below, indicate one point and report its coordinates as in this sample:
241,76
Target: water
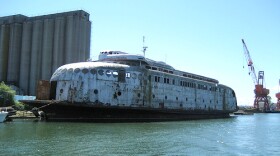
243,135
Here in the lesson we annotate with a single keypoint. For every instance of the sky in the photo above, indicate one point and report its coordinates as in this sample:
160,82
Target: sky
198,36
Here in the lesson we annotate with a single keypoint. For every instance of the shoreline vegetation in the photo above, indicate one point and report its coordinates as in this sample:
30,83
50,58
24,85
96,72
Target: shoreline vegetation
7,99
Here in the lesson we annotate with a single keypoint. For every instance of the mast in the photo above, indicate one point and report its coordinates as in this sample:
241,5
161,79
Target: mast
144,47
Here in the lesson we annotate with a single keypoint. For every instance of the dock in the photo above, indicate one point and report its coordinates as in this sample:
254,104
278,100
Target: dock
23,115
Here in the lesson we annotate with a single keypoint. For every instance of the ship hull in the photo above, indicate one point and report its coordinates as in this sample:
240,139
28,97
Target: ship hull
82,112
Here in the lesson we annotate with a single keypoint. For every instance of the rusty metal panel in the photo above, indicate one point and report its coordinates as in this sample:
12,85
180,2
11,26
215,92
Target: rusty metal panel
43,90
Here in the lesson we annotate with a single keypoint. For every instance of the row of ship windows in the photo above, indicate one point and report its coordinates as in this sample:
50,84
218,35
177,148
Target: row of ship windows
115,73
185,75
160,69
187,84
108,73
158,79
166,98
101,72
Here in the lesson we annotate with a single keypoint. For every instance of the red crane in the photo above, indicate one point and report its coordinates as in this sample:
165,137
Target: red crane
260,92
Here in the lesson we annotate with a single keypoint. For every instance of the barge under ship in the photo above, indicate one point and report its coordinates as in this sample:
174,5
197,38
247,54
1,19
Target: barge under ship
122,87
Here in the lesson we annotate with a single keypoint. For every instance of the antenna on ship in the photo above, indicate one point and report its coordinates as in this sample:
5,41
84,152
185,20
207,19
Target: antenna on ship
144,47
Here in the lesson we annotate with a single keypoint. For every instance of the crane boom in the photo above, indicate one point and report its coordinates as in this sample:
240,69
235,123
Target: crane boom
250,63
260,92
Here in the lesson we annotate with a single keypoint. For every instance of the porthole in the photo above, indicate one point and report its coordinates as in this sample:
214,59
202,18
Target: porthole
127,75
115,74
77,70
70,70
95,91
108,73
134,76
119,93
92,71
100,72
85,70
58,71
64,70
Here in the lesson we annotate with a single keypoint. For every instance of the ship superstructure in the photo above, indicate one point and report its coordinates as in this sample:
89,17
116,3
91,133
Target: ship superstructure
127,87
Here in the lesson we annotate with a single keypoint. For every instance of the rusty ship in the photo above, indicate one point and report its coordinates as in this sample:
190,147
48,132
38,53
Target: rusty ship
122,87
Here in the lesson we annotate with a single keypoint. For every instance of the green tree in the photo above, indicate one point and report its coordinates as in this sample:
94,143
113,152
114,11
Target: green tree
6,95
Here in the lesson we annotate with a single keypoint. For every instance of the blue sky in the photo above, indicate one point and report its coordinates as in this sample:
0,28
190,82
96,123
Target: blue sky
198,36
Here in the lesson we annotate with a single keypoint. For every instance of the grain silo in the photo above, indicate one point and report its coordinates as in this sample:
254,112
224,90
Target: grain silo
32,48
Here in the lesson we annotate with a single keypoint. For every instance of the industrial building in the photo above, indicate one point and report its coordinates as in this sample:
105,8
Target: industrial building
32,48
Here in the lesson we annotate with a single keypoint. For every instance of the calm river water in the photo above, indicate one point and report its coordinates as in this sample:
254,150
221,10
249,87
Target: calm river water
257,134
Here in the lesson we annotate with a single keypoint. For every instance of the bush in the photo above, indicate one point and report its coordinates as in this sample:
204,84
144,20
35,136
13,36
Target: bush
6,95
20,106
